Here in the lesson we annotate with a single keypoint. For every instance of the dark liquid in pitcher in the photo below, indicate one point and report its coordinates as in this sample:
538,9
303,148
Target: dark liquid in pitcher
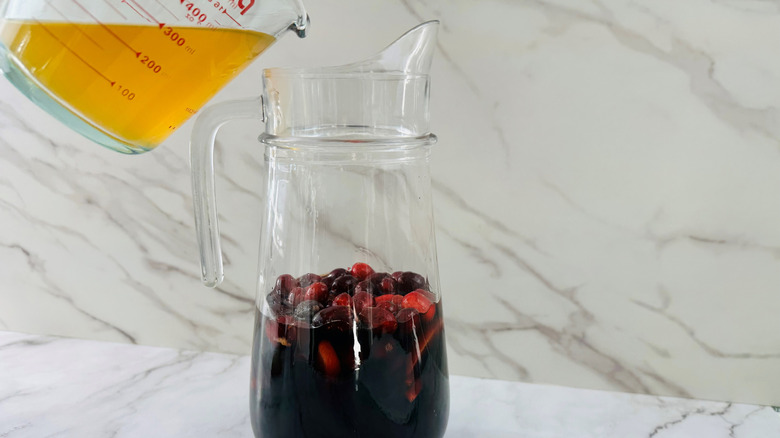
341,357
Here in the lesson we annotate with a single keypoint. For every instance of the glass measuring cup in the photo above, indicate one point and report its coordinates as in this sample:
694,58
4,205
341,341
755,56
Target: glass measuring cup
127,73
349,330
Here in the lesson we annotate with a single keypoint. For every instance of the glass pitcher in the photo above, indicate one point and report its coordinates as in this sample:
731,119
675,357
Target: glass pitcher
127,73
349,337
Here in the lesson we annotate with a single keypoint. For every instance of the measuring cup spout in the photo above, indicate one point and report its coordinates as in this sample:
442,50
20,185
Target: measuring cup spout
302,22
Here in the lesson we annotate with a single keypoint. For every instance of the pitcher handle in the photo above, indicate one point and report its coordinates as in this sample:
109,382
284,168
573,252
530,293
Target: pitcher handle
204,200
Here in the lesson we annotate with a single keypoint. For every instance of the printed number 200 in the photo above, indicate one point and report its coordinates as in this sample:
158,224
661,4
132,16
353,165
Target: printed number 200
151,64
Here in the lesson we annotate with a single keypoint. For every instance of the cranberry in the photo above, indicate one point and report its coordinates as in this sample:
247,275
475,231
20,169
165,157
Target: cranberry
389,306
366,286
377,277
378,319
395,299
307,280
296,296
336,317
408,321
361,271
416,300
361,300
317,291
285,283
345,283
306,310
338,272
387,285
396,275
275,303
333,275
427,294
409,281
342,300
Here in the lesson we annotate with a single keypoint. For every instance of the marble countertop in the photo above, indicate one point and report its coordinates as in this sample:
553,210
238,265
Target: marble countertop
77,388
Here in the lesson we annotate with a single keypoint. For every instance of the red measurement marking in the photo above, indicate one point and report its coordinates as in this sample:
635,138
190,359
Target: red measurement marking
234,20
75,54
137,53
71,23
145,11
115,9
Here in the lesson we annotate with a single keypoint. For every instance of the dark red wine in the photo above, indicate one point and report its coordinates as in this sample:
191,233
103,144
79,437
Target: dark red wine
357,361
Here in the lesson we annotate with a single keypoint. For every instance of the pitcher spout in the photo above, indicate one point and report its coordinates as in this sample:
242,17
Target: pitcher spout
412,53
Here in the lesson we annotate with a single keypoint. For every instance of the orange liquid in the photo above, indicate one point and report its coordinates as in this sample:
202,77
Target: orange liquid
136,83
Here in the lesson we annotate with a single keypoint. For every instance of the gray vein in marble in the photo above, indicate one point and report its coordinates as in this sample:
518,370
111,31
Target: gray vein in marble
735,425
166,267
669,424
755,6
37,265
14,395
224,174
692,335
462,204
506,147
117,216
696,64
14,429
484,331
699,411
660,240
584,211
476,252
676,389
572,339
731,241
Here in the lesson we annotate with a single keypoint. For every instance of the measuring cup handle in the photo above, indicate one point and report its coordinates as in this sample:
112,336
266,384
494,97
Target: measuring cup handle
204,199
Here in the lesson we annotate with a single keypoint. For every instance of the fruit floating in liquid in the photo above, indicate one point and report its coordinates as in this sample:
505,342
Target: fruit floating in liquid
353,353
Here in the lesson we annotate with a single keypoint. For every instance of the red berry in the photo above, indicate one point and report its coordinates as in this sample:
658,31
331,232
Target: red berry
361,270
296,296
333,275
409,281
317,292
389,306
285,283
276,303
345,283
387,285
378,319
366,286
395,299
342,300
416,300
335,318
408,321
427,294
361,300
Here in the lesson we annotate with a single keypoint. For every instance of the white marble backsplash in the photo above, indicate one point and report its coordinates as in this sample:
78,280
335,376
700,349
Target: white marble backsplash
607,191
